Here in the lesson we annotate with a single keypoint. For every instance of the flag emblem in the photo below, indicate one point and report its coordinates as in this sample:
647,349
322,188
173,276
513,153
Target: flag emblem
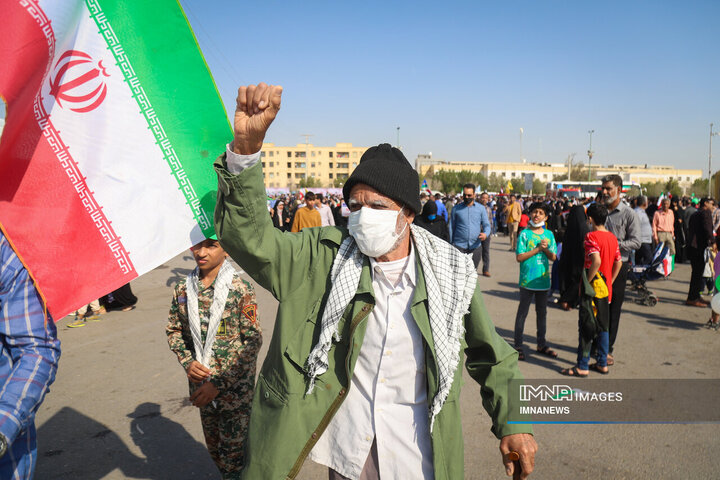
250,312
77,82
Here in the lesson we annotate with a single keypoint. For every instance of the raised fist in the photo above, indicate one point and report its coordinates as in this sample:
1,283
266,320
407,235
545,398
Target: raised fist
257,107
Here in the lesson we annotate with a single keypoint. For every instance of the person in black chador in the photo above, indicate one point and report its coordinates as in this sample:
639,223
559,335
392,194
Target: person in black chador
572,258
432,222
120,299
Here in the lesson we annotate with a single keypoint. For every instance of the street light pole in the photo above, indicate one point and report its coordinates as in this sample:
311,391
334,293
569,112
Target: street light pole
398,138
590,155
710,161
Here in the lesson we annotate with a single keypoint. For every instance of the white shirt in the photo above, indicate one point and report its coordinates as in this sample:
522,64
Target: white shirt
387,400
325,214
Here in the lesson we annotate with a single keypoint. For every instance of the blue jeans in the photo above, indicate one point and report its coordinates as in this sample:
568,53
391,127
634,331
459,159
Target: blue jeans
603,343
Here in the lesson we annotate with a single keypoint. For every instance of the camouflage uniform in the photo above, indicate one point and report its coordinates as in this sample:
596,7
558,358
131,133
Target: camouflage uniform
236,348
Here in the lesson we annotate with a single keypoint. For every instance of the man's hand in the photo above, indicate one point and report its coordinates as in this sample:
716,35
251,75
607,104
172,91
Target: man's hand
525,446
482,237
257,107
197,372
204,395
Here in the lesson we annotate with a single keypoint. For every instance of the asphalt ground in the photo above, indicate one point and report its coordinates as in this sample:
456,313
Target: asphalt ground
119,409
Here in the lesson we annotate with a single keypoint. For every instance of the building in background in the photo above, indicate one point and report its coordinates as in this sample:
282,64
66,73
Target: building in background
547,172
293,167
652,173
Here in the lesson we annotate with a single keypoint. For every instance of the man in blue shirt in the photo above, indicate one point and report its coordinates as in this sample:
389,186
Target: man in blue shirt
29,353
441,210
469,225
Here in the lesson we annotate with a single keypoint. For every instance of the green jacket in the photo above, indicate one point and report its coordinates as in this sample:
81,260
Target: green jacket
295,267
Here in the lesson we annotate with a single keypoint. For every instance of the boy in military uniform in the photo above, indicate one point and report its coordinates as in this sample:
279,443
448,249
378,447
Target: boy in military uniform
213,330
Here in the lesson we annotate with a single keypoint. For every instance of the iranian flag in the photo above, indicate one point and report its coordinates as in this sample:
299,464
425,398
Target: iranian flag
112,122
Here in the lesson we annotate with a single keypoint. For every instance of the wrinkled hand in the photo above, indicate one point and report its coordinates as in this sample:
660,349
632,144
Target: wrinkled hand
257,107
204,395
524,444
197,372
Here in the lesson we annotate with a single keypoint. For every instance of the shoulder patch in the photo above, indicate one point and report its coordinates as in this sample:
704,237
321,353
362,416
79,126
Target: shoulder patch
250,312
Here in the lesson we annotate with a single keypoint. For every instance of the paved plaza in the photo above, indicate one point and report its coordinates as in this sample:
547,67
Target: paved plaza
118,408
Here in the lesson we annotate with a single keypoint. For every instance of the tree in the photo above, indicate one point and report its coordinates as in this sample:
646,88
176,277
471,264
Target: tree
518,185
699,187
653,189
539,187
339,182
452,182
672,186
633,191
309,182
497,183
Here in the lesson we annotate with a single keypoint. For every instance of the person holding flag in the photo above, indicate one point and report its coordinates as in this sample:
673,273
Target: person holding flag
29,354
364,369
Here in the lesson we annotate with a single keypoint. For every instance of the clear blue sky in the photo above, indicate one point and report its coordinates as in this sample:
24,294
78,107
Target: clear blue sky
462,78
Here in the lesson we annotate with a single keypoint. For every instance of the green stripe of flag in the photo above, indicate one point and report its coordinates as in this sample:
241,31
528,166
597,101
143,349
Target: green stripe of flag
174,90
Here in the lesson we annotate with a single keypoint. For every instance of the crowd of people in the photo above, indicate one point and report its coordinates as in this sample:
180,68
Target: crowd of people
374,320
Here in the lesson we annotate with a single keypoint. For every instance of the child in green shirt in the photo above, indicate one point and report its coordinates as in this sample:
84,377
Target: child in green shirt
535,249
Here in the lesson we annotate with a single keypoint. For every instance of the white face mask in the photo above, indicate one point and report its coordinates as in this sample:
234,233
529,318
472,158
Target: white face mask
374,230
536,225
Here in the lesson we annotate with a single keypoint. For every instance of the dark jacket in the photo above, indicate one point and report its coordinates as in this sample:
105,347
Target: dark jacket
700,231
437,226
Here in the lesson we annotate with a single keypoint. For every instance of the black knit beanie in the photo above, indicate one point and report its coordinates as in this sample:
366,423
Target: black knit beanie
386,169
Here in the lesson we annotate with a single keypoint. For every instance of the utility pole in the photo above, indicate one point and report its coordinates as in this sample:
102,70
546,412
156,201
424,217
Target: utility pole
398,139
590,155
570,158
710,161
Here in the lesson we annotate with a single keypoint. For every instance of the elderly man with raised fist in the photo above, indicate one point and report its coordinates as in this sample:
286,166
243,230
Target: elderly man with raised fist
364,369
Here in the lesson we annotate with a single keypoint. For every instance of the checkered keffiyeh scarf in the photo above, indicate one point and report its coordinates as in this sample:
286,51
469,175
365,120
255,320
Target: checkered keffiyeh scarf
450,279
223,282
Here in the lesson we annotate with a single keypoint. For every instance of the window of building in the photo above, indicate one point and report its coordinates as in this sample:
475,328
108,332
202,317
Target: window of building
289,154
262,153
289,164
299,164
331,163
343,155
272,164
300,155
687,179
263,164
513,174
342,176
289,175
272,154
330,153
354,154
331,175
312,165
343,165
272,175
299,175
354,164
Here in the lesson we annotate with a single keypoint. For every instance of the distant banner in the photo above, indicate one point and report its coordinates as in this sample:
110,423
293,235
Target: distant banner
614,401
112,125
